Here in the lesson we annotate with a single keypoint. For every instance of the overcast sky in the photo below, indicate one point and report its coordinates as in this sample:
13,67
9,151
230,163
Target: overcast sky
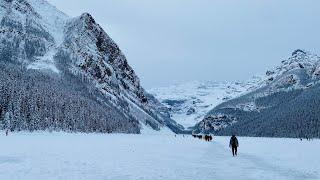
174,41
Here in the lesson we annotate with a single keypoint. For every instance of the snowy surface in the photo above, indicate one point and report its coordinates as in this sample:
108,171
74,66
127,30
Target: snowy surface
53,19
45,62
190,102
154,156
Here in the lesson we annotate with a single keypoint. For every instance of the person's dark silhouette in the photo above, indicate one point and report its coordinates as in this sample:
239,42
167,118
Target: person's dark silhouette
234,144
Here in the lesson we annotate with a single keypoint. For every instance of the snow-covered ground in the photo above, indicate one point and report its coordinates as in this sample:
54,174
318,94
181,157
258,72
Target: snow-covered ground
153,156
190,102
45,62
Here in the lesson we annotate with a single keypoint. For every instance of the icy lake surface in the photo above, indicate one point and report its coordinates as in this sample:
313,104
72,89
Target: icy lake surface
153,156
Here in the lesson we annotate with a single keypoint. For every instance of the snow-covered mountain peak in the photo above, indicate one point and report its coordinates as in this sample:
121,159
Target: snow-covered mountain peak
88,19
299,52
299,59
302,58
85,21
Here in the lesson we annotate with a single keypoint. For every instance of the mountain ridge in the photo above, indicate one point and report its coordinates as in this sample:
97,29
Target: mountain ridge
38,37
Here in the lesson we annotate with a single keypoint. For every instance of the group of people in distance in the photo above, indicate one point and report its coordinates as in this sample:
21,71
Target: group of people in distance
205,137
208,138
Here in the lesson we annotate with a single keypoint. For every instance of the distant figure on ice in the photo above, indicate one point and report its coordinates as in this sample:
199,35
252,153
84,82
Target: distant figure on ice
234,144
7,132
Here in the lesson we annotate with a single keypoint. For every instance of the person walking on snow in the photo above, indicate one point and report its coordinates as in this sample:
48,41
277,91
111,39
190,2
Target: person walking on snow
234,144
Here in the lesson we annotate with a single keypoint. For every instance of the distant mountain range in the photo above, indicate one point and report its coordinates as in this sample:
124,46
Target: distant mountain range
62,73
188,103
285,102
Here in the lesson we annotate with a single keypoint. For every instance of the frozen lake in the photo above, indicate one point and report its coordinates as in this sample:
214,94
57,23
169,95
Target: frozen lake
155,156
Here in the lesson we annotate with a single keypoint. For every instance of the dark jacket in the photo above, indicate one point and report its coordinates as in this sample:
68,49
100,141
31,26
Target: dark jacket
234,142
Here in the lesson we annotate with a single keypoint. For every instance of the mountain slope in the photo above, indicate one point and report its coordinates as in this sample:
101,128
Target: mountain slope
286,105
78,57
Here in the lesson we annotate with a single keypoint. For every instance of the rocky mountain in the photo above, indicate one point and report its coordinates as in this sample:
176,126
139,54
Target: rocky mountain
285,104
188,103
65,73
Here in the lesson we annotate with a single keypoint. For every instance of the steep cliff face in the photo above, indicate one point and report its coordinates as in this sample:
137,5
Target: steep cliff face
37,37
93,53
